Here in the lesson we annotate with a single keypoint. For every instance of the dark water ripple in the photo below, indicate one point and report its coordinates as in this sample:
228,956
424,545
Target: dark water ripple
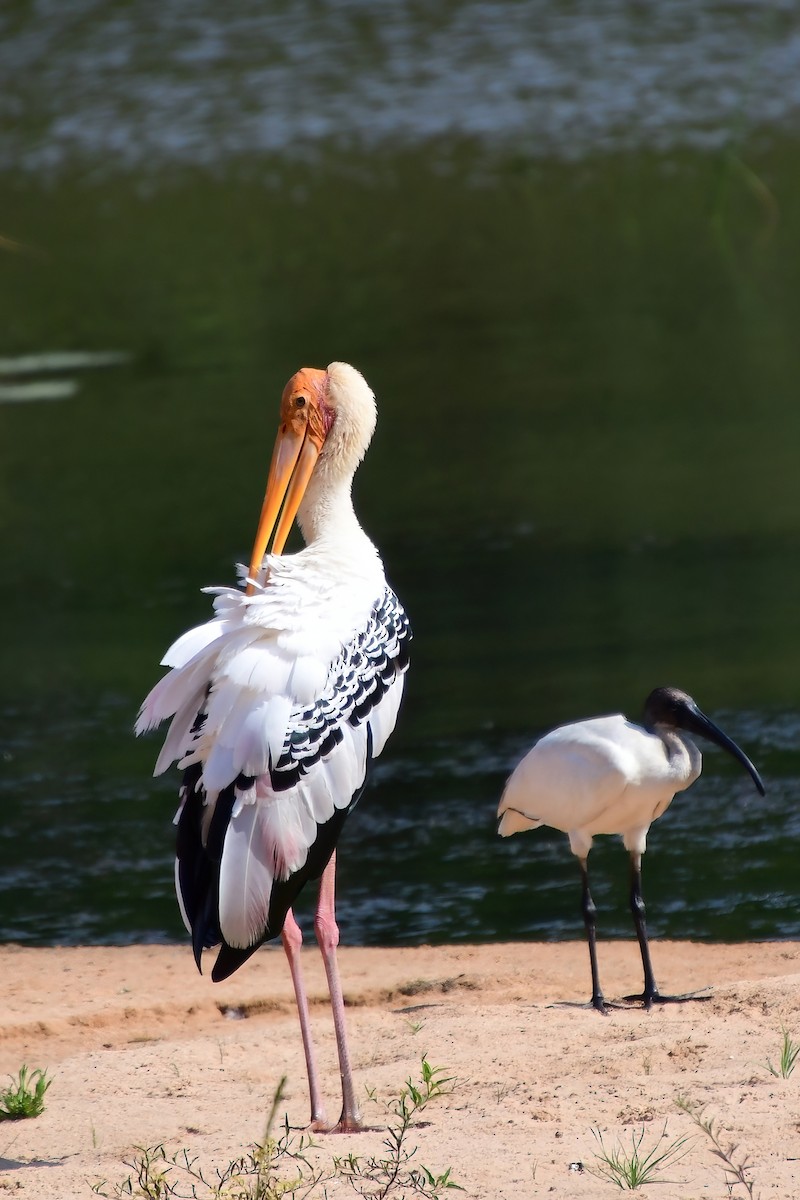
102,867
136,87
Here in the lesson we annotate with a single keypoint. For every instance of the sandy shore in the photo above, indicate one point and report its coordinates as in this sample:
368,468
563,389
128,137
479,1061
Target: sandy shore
143,1050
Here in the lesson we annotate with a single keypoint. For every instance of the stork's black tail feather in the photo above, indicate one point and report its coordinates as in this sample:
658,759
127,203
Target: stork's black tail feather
199,868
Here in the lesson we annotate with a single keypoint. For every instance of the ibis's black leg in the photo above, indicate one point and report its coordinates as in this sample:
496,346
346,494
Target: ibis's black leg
650,994
590,921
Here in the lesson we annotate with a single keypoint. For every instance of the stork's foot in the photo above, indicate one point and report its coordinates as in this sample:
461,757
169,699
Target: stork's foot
647,1001
341,1126
350,1125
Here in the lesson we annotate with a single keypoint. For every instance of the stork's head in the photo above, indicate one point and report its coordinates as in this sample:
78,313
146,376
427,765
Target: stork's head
670,708
327,420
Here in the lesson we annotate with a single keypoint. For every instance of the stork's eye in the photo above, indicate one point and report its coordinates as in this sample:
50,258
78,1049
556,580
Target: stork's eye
300,401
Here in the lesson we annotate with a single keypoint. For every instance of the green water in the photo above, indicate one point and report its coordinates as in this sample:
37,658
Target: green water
583,484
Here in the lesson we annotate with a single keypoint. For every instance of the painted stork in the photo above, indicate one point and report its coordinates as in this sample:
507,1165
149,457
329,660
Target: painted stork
279,704
607,775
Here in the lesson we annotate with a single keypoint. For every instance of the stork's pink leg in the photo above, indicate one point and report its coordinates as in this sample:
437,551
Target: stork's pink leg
292,938
327,932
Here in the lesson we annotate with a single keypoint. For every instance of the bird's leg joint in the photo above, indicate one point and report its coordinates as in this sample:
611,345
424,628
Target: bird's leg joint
291,934
327,931
637,904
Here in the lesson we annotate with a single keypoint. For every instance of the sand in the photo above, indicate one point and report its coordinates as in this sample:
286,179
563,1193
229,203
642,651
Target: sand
142,1050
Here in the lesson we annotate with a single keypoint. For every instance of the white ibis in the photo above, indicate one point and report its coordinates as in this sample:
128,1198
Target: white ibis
607,775
279,704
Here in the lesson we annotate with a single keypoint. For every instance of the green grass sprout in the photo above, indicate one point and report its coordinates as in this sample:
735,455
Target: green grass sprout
631,1169
789,1054
25,1097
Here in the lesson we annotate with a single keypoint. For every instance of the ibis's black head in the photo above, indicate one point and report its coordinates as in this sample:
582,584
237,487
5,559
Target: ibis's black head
673,709
668,706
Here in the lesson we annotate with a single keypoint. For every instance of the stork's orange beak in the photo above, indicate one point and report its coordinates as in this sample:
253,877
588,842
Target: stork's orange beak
305,421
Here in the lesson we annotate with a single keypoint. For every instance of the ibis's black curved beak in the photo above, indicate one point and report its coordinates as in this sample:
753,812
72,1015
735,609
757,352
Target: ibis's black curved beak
693,720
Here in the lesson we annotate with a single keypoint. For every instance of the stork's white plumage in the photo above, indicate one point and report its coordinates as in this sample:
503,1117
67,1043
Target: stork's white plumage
607,775
280,702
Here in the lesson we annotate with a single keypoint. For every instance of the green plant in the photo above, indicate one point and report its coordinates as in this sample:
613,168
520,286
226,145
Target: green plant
376,1177
279,1167
25,1097
735,1171
789,1054
161,1176
633,1169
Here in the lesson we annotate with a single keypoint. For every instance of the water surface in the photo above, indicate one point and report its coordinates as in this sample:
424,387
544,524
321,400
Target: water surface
564,249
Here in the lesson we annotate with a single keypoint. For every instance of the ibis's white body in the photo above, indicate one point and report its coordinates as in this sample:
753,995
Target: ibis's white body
604,775
607,775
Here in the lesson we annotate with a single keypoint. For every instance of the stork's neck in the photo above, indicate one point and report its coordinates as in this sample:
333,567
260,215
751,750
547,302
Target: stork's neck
327,518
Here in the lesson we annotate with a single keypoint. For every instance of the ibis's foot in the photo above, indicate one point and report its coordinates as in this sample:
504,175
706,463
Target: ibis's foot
657,998
599,1004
